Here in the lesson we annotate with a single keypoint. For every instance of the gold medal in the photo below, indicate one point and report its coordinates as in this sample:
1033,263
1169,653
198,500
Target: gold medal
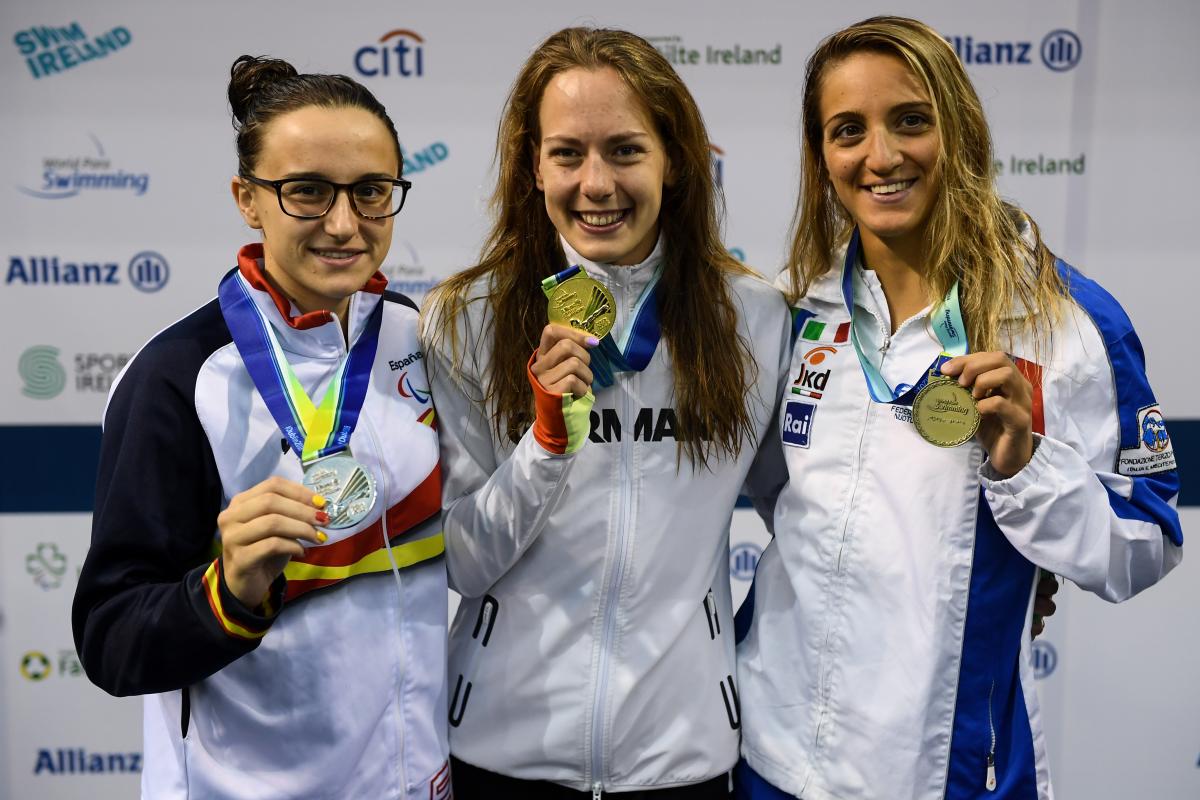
944,413
583,303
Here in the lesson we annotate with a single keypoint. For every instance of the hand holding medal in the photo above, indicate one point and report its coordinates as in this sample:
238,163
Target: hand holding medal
563,364
1004,399
262,529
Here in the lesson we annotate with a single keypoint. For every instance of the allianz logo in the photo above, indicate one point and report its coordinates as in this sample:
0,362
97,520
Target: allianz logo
1059,51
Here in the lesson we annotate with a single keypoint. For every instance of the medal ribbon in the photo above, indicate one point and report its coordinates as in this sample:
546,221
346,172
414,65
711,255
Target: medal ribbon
948,327
312,431
639,339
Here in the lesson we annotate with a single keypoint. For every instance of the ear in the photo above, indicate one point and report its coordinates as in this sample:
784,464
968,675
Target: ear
244,198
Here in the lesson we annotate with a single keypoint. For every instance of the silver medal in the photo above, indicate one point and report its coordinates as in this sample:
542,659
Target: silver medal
348,488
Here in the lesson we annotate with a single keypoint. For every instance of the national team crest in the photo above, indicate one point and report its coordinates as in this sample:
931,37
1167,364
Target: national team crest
797,423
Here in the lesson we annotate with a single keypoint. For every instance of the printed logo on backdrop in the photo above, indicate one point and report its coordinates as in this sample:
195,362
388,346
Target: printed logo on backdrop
146,271
1045,659
45,377
42,372
36,666
46,565
51,49
80,761
409,276
1153,452
1042,164
420,160
70,174
1060,50
718,164
743,560
399,53
681,52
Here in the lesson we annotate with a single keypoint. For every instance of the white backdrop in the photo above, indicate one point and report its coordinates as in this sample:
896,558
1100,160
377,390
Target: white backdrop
117,220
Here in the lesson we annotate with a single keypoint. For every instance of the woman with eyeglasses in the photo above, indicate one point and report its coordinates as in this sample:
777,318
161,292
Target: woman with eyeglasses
264,566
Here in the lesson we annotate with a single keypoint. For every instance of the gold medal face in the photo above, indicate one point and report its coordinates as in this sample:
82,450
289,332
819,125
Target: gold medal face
583,303
944,413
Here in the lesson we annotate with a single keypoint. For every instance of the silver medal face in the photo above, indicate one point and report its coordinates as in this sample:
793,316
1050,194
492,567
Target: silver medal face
348,488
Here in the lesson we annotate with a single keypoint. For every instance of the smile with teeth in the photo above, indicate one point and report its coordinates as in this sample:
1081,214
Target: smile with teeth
892,188
336,253
600,219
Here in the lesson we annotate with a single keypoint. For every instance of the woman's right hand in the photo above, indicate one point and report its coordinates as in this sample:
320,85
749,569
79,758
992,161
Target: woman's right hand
562,362
261,531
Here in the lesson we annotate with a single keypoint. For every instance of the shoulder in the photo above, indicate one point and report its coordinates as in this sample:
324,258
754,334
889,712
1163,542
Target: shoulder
176,353
756,292
399,299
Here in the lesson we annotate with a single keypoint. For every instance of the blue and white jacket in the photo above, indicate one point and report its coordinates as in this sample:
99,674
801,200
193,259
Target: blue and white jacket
888,653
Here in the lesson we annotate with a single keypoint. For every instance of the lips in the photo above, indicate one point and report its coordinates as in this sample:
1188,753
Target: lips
335,254
601,221
884,189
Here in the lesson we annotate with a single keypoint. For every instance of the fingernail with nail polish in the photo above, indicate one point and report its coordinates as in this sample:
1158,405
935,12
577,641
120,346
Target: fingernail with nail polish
592,341
322,537
322,517
318,500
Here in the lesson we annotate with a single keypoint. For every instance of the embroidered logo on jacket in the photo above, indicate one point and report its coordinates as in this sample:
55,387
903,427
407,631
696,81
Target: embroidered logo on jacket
1153,452
797,423
811,381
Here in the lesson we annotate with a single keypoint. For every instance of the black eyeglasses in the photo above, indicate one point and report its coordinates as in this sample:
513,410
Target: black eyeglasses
311,198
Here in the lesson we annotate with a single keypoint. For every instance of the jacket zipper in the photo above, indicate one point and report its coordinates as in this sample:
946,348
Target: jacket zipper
610,596
990,782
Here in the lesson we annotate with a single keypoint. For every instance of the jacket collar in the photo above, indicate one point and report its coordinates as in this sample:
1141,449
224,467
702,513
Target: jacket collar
315,334
632,278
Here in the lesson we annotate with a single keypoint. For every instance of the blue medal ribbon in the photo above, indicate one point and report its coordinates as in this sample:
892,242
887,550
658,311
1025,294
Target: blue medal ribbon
946,319
332,423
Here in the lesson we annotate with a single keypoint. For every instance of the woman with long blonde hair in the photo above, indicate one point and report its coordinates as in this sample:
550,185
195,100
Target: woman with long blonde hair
982,408
589,487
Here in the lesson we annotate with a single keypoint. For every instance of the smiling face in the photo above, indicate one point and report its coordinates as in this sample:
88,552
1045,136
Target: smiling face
601,165
320,263
881,148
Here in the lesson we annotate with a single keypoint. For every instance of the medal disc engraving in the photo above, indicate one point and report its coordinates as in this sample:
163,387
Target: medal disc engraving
583,303
944,413
348,487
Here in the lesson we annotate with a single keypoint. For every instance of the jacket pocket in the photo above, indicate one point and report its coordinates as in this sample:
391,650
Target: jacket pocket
485,623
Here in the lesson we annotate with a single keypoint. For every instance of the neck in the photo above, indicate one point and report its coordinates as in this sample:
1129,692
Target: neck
341,308
900,266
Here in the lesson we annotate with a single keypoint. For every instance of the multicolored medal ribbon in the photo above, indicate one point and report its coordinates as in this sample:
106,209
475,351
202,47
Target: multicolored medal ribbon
579,301
319,435
944,413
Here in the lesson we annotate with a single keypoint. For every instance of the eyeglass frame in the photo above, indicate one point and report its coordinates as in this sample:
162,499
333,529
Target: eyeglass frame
404,185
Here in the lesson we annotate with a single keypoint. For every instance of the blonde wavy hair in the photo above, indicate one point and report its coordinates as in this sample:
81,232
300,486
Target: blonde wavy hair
713,368
973,236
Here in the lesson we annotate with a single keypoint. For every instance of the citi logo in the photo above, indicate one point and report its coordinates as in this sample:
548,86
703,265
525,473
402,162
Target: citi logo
743,560
1060,51
812,382
398,53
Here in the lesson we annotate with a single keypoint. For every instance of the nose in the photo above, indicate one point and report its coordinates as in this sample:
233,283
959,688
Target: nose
596,182
883,154
341,221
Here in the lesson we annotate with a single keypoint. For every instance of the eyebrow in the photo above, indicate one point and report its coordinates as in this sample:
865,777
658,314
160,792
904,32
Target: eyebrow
369,176
623,136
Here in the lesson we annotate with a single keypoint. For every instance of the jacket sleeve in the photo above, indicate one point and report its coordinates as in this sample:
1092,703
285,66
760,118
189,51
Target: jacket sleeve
768,472
1096,503
495,506
151,611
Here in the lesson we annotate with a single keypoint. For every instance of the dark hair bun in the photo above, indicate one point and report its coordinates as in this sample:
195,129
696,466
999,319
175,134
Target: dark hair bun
250,77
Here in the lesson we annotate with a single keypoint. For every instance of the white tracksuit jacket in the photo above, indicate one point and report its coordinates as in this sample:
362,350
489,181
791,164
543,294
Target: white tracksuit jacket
888,654
593,647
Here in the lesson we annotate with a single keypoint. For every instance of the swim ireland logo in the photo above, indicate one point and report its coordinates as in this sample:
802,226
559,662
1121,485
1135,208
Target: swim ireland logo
48,50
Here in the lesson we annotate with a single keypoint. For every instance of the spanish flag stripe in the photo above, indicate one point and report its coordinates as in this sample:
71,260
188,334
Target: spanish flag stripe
405,554
213,594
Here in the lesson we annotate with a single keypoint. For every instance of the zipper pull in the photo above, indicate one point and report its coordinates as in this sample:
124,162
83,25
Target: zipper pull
990,785
887,342
597,790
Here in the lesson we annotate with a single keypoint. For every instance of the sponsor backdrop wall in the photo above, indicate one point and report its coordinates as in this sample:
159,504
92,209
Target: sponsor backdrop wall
117,220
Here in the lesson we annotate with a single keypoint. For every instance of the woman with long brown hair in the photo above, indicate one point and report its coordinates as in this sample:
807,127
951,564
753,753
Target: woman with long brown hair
589,488
984,409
